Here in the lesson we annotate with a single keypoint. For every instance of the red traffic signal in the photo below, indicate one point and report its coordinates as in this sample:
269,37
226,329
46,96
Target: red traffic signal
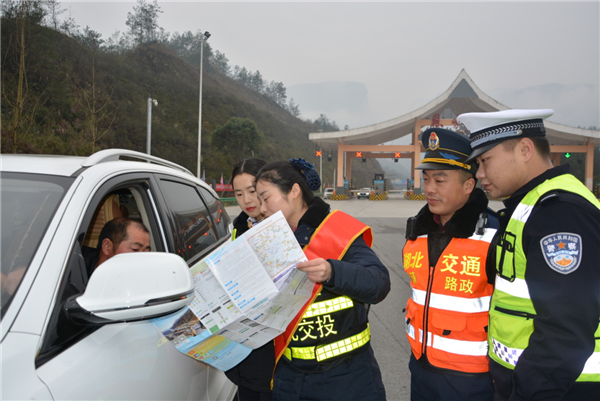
358,154
318,153
397,155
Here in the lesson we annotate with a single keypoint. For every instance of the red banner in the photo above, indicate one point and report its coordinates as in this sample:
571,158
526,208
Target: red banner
223,187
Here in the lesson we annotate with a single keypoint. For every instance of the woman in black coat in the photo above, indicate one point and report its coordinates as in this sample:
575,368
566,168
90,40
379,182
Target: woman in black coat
253,375
337,319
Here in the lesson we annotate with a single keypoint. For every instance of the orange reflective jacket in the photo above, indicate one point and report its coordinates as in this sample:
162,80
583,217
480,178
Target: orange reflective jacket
450,303
330,240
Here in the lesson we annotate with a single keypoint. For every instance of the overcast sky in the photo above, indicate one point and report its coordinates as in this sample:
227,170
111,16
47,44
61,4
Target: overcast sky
406,53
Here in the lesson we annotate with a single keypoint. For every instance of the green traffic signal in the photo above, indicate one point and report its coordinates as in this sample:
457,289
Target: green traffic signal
567,155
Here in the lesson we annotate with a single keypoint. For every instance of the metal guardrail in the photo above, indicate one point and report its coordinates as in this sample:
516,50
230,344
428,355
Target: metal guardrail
229,201
232,201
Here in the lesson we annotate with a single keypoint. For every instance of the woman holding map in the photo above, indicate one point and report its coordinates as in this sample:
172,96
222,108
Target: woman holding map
253,375
325,353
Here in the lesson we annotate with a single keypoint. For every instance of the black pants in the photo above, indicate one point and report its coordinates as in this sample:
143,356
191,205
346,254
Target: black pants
245,394
426,385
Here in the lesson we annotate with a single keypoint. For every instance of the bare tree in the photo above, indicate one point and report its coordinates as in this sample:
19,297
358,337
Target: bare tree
96,101
53,11
24,13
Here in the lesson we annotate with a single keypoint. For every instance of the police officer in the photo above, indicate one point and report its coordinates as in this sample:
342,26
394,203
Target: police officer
544,337
445,258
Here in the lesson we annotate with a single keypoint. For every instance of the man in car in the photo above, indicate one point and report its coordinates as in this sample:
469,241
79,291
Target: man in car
120,235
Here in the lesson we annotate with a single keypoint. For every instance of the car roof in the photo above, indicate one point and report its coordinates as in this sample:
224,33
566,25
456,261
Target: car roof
46,164
102,161
70,165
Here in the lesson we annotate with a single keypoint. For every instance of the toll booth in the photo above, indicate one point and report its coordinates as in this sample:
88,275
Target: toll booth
379,191
379,186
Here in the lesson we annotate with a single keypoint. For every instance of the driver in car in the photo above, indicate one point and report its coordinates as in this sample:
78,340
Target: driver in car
120,235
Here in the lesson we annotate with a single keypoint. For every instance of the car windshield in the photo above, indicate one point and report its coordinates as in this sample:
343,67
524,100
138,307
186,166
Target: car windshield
27,204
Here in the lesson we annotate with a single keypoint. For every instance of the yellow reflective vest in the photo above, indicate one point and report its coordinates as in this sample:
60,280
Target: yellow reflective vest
512,312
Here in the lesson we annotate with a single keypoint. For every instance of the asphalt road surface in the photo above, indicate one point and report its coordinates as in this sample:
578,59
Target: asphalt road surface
387,219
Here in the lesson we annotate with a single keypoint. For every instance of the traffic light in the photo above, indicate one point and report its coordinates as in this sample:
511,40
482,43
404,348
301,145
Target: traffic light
318,153
567,155
358,154
396,156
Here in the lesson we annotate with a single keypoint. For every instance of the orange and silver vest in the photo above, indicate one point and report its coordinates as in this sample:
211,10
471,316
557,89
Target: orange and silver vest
316,321
447,315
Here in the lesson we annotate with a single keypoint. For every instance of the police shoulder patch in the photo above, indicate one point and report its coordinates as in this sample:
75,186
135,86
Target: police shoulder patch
562,251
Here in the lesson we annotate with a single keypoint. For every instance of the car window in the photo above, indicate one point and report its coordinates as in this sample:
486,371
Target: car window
135,199
194,231
29,202
217,211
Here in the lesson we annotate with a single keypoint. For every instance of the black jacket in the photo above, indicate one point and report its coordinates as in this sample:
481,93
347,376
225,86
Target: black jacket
254,372
567,305
360,275
240,224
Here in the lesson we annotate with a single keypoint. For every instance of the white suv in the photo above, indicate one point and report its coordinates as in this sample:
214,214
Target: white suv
68,334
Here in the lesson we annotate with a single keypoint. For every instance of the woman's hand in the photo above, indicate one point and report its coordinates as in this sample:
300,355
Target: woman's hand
318,270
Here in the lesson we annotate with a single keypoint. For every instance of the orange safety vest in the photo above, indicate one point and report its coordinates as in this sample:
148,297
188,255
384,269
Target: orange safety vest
330,240
449,303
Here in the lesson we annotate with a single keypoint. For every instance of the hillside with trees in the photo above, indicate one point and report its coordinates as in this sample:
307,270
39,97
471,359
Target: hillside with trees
65,90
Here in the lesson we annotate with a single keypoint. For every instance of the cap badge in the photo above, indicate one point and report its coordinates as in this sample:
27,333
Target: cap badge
464,129
434,141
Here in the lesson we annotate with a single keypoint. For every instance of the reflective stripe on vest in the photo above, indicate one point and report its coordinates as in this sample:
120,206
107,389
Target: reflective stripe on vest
467,348
512,312
328,351
328,306
512,355
446,302
451,301
330,240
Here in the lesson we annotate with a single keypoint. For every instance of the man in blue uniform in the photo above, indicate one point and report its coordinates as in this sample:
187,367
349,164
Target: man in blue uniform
544,336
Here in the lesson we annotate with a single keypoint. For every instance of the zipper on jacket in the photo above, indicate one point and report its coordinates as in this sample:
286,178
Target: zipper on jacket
426,312
515,312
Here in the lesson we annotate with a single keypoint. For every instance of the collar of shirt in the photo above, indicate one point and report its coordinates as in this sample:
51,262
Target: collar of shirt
513,201
252,222
438,220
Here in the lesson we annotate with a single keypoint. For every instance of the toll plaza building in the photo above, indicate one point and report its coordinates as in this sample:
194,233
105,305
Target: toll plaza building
463,96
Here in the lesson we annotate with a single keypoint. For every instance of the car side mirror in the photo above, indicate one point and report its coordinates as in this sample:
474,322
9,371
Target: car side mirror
133,286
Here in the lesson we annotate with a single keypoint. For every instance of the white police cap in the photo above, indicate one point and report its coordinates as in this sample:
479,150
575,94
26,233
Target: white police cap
486,130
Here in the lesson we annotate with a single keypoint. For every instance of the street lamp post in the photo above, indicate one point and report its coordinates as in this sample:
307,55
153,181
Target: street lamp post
149,122
203,38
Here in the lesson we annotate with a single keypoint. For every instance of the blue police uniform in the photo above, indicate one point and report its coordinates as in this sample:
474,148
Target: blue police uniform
545,310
